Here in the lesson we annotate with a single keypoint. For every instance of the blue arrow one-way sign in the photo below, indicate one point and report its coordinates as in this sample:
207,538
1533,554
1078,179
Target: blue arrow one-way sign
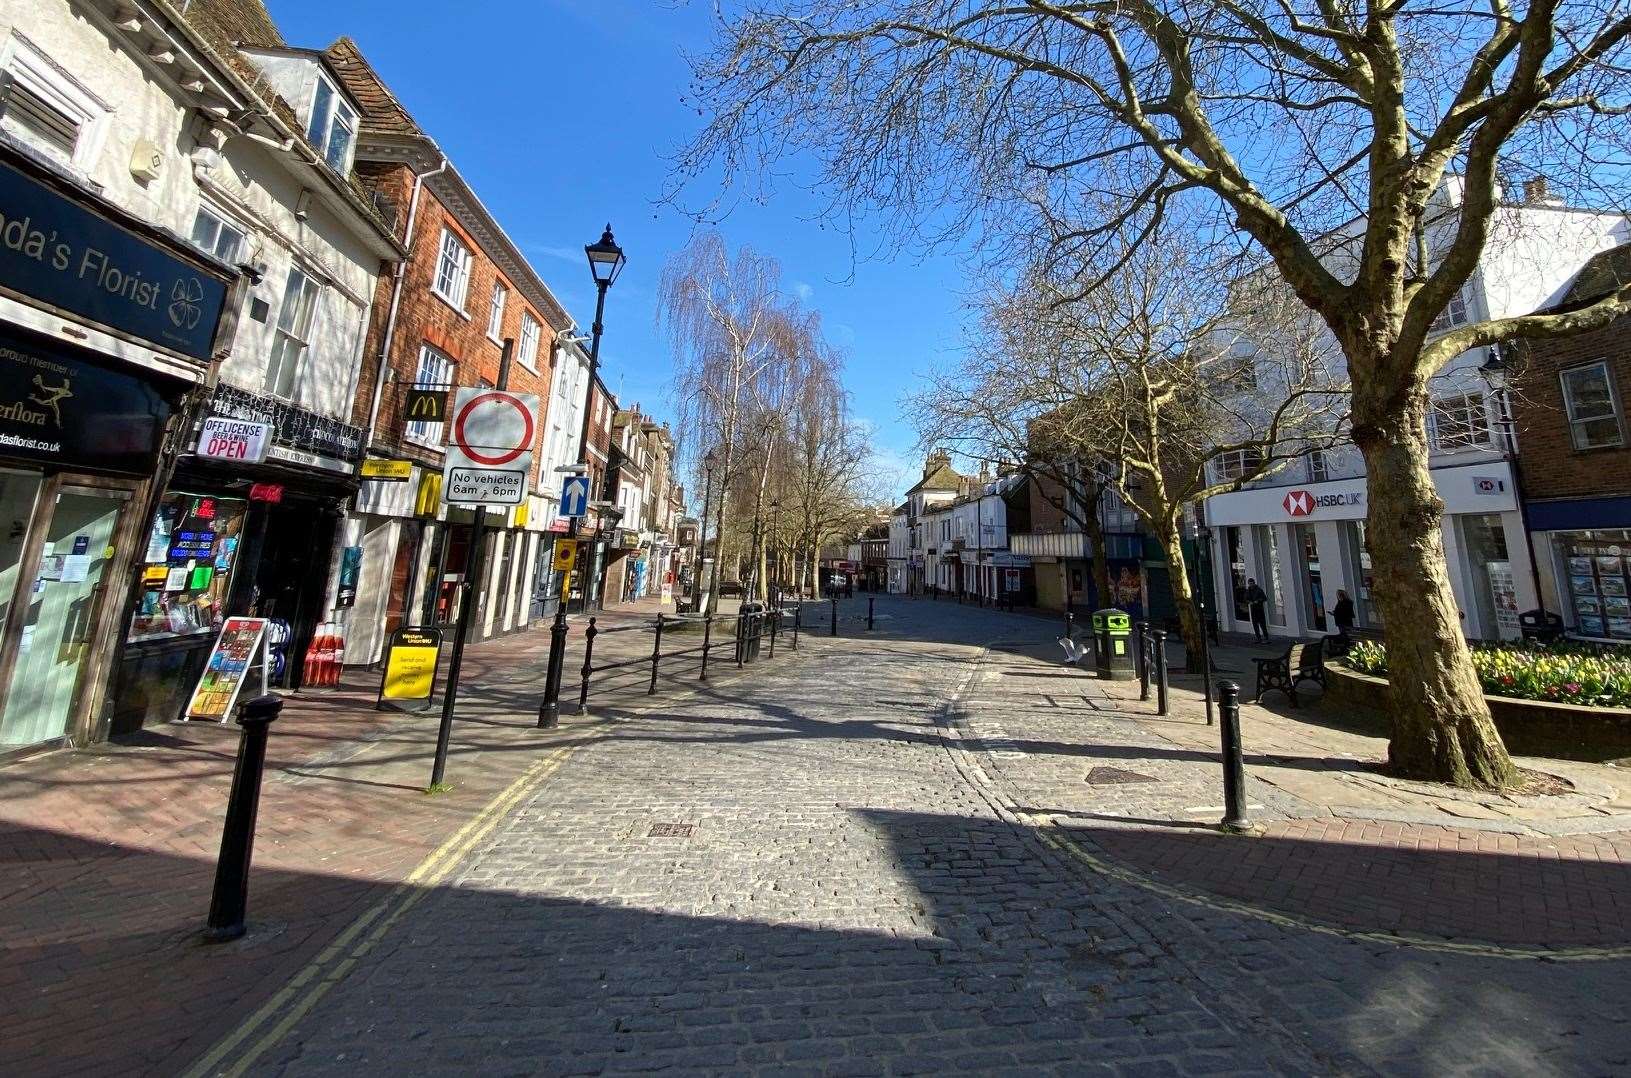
575,496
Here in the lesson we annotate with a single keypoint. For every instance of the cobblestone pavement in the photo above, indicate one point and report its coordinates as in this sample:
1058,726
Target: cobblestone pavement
817,873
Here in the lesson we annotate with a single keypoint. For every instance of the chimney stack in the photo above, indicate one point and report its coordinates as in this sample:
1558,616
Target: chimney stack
1534,190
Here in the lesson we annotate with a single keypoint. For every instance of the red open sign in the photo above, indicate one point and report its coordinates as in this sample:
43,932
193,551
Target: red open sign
266,492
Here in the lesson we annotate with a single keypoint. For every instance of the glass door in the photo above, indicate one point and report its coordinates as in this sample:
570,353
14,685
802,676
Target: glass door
58,613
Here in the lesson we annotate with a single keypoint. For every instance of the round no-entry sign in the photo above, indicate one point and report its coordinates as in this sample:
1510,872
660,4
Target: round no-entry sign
492,426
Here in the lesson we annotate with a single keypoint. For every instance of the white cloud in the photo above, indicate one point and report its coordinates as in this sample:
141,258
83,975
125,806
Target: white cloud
565,254
803,291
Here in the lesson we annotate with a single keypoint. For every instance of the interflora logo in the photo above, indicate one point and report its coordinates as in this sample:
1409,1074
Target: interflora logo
1300,503
185,298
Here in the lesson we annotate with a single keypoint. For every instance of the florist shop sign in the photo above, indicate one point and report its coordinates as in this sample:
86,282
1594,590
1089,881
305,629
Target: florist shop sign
55,250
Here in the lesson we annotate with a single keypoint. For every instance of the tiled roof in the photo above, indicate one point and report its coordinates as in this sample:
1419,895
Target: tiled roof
231,23
1605,272
942,478
381,111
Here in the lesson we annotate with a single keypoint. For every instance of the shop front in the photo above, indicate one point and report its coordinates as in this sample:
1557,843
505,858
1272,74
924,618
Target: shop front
106,324
1302,545
1584,549
259,533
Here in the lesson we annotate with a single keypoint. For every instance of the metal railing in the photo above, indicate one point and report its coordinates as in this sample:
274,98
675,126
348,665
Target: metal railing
754,631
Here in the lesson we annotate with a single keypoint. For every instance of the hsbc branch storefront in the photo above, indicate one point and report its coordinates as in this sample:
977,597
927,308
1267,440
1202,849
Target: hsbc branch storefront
1304,542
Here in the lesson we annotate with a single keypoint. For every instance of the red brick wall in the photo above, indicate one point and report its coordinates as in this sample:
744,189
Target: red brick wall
1550,466
1045,515
424,317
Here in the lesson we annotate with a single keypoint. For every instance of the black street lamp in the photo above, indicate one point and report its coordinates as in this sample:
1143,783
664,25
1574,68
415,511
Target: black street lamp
606,262
701,558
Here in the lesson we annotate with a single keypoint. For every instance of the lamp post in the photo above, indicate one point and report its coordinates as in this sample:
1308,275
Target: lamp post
775,555
606,262
700,559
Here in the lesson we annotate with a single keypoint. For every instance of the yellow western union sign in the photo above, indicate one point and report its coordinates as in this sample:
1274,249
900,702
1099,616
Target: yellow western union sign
384,468
566,554
410,666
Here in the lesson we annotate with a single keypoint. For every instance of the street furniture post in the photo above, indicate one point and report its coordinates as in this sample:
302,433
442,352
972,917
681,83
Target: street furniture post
1234,767
230,898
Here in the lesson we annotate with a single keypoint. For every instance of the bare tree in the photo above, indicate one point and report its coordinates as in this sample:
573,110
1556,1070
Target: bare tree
719,309
1391,124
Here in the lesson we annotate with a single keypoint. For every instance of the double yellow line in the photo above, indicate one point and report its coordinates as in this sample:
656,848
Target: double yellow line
280,1014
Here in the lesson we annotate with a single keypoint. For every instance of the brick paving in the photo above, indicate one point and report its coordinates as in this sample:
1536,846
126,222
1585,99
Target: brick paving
108,854
848,863
814,873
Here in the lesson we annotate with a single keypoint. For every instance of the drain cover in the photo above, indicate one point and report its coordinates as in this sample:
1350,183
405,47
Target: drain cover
672,830
1114,776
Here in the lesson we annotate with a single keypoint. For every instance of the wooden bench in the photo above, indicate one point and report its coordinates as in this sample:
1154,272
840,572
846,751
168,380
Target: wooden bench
1302,661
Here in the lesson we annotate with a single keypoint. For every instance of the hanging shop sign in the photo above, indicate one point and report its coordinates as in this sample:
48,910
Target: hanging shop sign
57,251
425,405
61,410
227,669
410,669
225,438
489,451
271,493
387,470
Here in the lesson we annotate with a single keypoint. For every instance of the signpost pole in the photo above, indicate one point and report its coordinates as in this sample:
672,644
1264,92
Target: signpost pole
469,588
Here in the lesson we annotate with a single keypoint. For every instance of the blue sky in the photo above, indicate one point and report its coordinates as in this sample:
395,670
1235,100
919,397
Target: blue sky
563,114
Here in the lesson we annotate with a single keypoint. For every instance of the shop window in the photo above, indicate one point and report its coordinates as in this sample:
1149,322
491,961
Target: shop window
452,270
1319,466
1593,408
1459,423
495,312
333,126
1599,585
293,333
213,234
435,369
44,109
192,548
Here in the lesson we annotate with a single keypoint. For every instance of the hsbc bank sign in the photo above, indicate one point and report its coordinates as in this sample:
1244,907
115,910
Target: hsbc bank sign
1302,503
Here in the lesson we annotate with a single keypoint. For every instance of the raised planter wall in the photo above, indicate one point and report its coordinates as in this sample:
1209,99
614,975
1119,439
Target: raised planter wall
1529,727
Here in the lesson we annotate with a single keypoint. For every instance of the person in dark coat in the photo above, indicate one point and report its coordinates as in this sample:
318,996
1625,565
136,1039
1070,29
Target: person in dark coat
1258,603
1343,613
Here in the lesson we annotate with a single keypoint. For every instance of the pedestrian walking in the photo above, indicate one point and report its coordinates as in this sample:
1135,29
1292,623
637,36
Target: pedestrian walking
1343,613
1258,602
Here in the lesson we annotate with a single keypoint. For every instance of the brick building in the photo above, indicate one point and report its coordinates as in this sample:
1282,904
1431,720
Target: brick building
440,322
1574,465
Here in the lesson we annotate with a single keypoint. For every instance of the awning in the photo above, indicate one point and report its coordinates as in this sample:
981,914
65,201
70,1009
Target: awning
1579,514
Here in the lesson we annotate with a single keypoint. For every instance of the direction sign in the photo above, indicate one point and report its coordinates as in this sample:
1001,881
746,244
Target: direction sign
575,496
489,451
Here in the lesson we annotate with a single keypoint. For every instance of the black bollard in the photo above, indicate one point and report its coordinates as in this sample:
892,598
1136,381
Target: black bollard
549,711
588,666
1070,625
656,654
834,615
1158,653
869,601
1141,655
230,899
798,614
707,632
1234,768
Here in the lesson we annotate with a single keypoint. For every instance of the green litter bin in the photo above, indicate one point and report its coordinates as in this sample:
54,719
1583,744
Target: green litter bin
1113,645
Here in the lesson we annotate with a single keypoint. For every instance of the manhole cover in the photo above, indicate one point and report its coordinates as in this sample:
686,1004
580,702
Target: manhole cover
1114,776
672,830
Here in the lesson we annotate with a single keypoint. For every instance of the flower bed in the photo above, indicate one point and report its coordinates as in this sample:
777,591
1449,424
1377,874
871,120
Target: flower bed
1569,672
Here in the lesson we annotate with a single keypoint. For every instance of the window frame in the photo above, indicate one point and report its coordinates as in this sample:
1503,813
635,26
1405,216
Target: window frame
497,300
423,432
311,292
1575,422
337,101
1447,319
1479,434
222,222
461,271
1234,475
24,63
528,351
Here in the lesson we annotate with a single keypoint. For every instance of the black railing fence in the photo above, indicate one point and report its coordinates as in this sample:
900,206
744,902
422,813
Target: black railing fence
751,635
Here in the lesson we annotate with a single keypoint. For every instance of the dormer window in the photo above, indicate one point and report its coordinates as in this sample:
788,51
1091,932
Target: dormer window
333,126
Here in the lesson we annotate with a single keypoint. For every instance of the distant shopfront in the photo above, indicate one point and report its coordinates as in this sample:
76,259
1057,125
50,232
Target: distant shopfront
105,326
1303,544
1584,549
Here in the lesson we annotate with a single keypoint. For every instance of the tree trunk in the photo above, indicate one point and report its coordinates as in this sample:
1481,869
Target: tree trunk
1183,597
1441,724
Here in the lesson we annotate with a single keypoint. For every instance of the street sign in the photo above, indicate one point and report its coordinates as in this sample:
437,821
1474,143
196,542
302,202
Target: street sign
225,438
387,469
489,450
566,554
425,405
575,496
